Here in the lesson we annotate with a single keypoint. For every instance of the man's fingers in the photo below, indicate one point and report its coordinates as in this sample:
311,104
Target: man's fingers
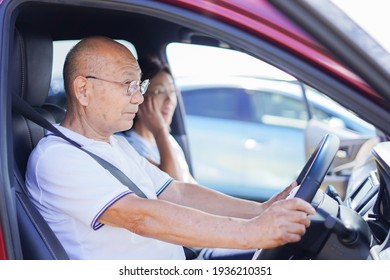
300,205
299,217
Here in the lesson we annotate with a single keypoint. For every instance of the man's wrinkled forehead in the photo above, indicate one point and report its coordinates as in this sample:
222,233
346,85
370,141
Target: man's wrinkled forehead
132,70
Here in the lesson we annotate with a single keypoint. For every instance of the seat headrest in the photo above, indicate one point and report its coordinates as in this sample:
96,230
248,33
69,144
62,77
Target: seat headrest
32,59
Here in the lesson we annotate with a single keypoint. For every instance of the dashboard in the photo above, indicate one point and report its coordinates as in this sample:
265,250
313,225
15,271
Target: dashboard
371,199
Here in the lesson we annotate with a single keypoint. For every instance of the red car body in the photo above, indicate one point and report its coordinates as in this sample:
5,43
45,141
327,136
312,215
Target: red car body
261,19
257,18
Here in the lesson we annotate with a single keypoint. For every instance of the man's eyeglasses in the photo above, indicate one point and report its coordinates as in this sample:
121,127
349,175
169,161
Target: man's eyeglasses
132,86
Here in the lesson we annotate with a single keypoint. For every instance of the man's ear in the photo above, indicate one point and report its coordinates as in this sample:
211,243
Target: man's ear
80,90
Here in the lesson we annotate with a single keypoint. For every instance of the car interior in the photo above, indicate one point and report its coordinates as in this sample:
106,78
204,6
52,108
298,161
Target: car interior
36,27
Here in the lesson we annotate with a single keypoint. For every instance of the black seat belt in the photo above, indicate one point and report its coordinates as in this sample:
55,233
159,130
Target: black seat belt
22,107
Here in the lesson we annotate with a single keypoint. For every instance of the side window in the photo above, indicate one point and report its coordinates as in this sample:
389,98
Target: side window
276,108
322,108
222,103
328,111
279,105
320,114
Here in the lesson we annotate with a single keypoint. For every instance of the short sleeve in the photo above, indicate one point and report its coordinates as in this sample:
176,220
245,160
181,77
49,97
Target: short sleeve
69,181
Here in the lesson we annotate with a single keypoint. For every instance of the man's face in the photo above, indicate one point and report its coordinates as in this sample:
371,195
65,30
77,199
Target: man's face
111,109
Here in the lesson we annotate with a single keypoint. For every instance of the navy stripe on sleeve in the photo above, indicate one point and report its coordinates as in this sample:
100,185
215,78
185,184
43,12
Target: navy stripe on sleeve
164,186
95,224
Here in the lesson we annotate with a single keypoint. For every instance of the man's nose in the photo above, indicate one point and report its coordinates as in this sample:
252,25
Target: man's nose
137,97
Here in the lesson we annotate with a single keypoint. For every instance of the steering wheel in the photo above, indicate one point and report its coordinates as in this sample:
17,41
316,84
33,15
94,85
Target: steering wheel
309,181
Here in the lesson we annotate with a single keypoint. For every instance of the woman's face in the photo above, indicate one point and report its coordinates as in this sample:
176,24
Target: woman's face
164,92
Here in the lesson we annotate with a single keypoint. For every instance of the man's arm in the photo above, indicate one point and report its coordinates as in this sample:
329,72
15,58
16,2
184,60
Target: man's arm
284,221
211,201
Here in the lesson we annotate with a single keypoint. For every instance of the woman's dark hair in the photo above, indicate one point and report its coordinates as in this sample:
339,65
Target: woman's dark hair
151,66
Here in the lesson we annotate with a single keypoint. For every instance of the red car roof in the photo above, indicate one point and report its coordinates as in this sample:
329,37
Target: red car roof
261,19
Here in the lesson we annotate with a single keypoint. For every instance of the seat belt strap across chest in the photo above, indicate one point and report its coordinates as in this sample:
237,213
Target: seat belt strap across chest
22,107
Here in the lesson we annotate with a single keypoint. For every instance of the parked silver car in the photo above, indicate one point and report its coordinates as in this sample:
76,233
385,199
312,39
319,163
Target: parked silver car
263,123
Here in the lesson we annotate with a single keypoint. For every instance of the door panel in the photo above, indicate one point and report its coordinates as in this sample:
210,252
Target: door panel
350,150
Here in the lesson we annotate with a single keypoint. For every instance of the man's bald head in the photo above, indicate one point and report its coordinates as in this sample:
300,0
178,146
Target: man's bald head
90,56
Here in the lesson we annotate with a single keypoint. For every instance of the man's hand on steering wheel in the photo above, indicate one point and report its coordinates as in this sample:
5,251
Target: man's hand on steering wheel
286,222
281,195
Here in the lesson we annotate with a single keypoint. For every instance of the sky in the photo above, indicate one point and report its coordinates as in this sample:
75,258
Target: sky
371,15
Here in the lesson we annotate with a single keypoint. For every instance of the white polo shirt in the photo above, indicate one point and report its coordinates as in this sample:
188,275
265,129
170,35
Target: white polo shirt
150,151
71,190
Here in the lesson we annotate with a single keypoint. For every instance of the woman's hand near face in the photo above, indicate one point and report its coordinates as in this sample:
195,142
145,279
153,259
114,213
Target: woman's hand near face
149,114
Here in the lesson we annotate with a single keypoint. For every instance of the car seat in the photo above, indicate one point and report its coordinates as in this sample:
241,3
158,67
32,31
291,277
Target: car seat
31,74
56,105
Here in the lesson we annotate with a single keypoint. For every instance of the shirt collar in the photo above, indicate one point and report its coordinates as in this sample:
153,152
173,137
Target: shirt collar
81,139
